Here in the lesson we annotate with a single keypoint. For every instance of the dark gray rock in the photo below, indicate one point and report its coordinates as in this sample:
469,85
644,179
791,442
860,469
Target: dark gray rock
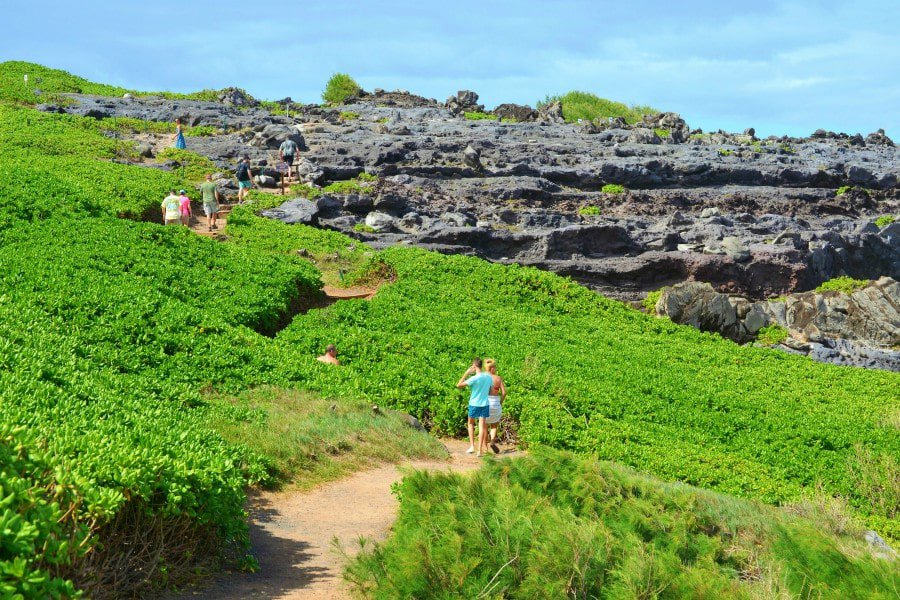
380,222
298,210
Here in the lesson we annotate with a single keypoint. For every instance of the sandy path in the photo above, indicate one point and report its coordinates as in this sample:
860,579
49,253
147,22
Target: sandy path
292,532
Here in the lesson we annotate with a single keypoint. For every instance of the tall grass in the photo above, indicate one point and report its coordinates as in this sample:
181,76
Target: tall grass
306,439
588,107
555,525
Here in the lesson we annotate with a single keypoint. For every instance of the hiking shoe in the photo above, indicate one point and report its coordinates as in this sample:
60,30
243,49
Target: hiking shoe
470,450
495,448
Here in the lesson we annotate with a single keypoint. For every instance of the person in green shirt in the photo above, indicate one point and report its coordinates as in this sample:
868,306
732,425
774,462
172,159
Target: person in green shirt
211,198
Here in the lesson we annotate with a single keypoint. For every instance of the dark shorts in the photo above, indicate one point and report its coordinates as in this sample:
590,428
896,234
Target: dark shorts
289,159
479,412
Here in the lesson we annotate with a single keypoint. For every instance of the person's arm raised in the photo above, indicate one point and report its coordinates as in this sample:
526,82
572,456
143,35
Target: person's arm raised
462,380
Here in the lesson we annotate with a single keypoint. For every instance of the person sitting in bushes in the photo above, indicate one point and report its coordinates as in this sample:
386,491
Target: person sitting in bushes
330,356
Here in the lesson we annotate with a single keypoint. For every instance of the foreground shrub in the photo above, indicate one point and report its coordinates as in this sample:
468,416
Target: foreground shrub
588,107
340,88
554,525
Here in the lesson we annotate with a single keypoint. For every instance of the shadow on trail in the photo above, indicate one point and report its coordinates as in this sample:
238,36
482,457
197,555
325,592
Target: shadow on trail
283,570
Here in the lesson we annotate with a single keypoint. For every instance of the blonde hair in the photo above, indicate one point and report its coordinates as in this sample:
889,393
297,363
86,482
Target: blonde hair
490,363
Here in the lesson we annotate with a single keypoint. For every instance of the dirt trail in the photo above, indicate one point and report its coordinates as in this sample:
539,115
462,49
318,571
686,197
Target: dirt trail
292,532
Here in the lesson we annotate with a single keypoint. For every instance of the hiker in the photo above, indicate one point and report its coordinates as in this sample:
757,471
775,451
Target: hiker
287,151
244,178
211,197
496,397
330,356
184,206
479,383
171,208
179,136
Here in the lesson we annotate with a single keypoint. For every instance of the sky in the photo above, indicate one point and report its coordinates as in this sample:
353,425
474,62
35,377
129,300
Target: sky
782,67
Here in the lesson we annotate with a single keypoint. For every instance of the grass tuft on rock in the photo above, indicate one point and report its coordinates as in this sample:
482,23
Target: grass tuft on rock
588,107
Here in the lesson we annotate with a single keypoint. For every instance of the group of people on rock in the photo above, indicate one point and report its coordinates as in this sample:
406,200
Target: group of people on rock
486,397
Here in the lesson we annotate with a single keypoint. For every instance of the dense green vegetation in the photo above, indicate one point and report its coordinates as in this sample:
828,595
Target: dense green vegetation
110,329
613,188
552,525
884,220
589,107
340,88
593,375
52,82
479,116
591,210
844,284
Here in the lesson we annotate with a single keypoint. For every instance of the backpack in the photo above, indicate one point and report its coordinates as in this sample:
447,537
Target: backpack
243,172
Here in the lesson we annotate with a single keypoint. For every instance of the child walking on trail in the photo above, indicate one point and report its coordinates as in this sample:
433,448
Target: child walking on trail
184,207
480,384
171,209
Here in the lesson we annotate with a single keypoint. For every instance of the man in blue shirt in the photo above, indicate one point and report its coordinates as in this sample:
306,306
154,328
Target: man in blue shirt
479,383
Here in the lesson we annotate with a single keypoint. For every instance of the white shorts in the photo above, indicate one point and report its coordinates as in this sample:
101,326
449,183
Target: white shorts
495,410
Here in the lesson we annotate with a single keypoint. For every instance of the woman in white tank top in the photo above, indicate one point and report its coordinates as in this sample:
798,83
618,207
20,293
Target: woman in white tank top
495,401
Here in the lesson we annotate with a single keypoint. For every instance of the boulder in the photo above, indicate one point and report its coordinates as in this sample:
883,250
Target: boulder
298,210
518,112
472,158
698,304
309,171
642,135
271,136
265,181
237,97
735,248
380,222
551,113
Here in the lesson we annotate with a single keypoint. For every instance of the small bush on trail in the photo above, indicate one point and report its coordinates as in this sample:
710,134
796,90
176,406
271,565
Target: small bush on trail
613,188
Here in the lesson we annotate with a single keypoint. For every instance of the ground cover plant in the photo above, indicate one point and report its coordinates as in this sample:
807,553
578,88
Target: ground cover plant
589,107
595,376
844,284
554,525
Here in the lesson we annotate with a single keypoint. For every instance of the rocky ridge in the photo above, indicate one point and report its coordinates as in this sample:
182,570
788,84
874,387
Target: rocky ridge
749,216
860,329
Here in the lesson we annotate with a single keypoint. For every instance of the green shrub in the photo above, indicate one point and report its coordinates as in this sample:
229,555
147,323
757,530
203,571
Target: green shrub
725,151
662,133
555,525
613,188
771,335
191,166
844,284
480,116
589,211
884,221
340,88
844,189
649,303
589,107
363,228
349,116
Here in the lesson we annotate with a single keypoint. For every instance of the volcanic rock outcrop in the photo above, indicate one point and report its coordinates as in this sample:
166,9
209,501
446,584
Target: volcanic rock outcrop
622,208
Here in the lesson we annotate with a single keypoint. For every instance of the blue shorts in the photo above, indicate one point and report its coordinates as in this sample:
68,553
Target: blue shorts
479,412
245,185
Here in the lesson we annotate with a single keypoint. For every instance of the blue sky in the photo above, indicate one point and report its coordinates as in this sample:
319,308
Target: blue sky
781,67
